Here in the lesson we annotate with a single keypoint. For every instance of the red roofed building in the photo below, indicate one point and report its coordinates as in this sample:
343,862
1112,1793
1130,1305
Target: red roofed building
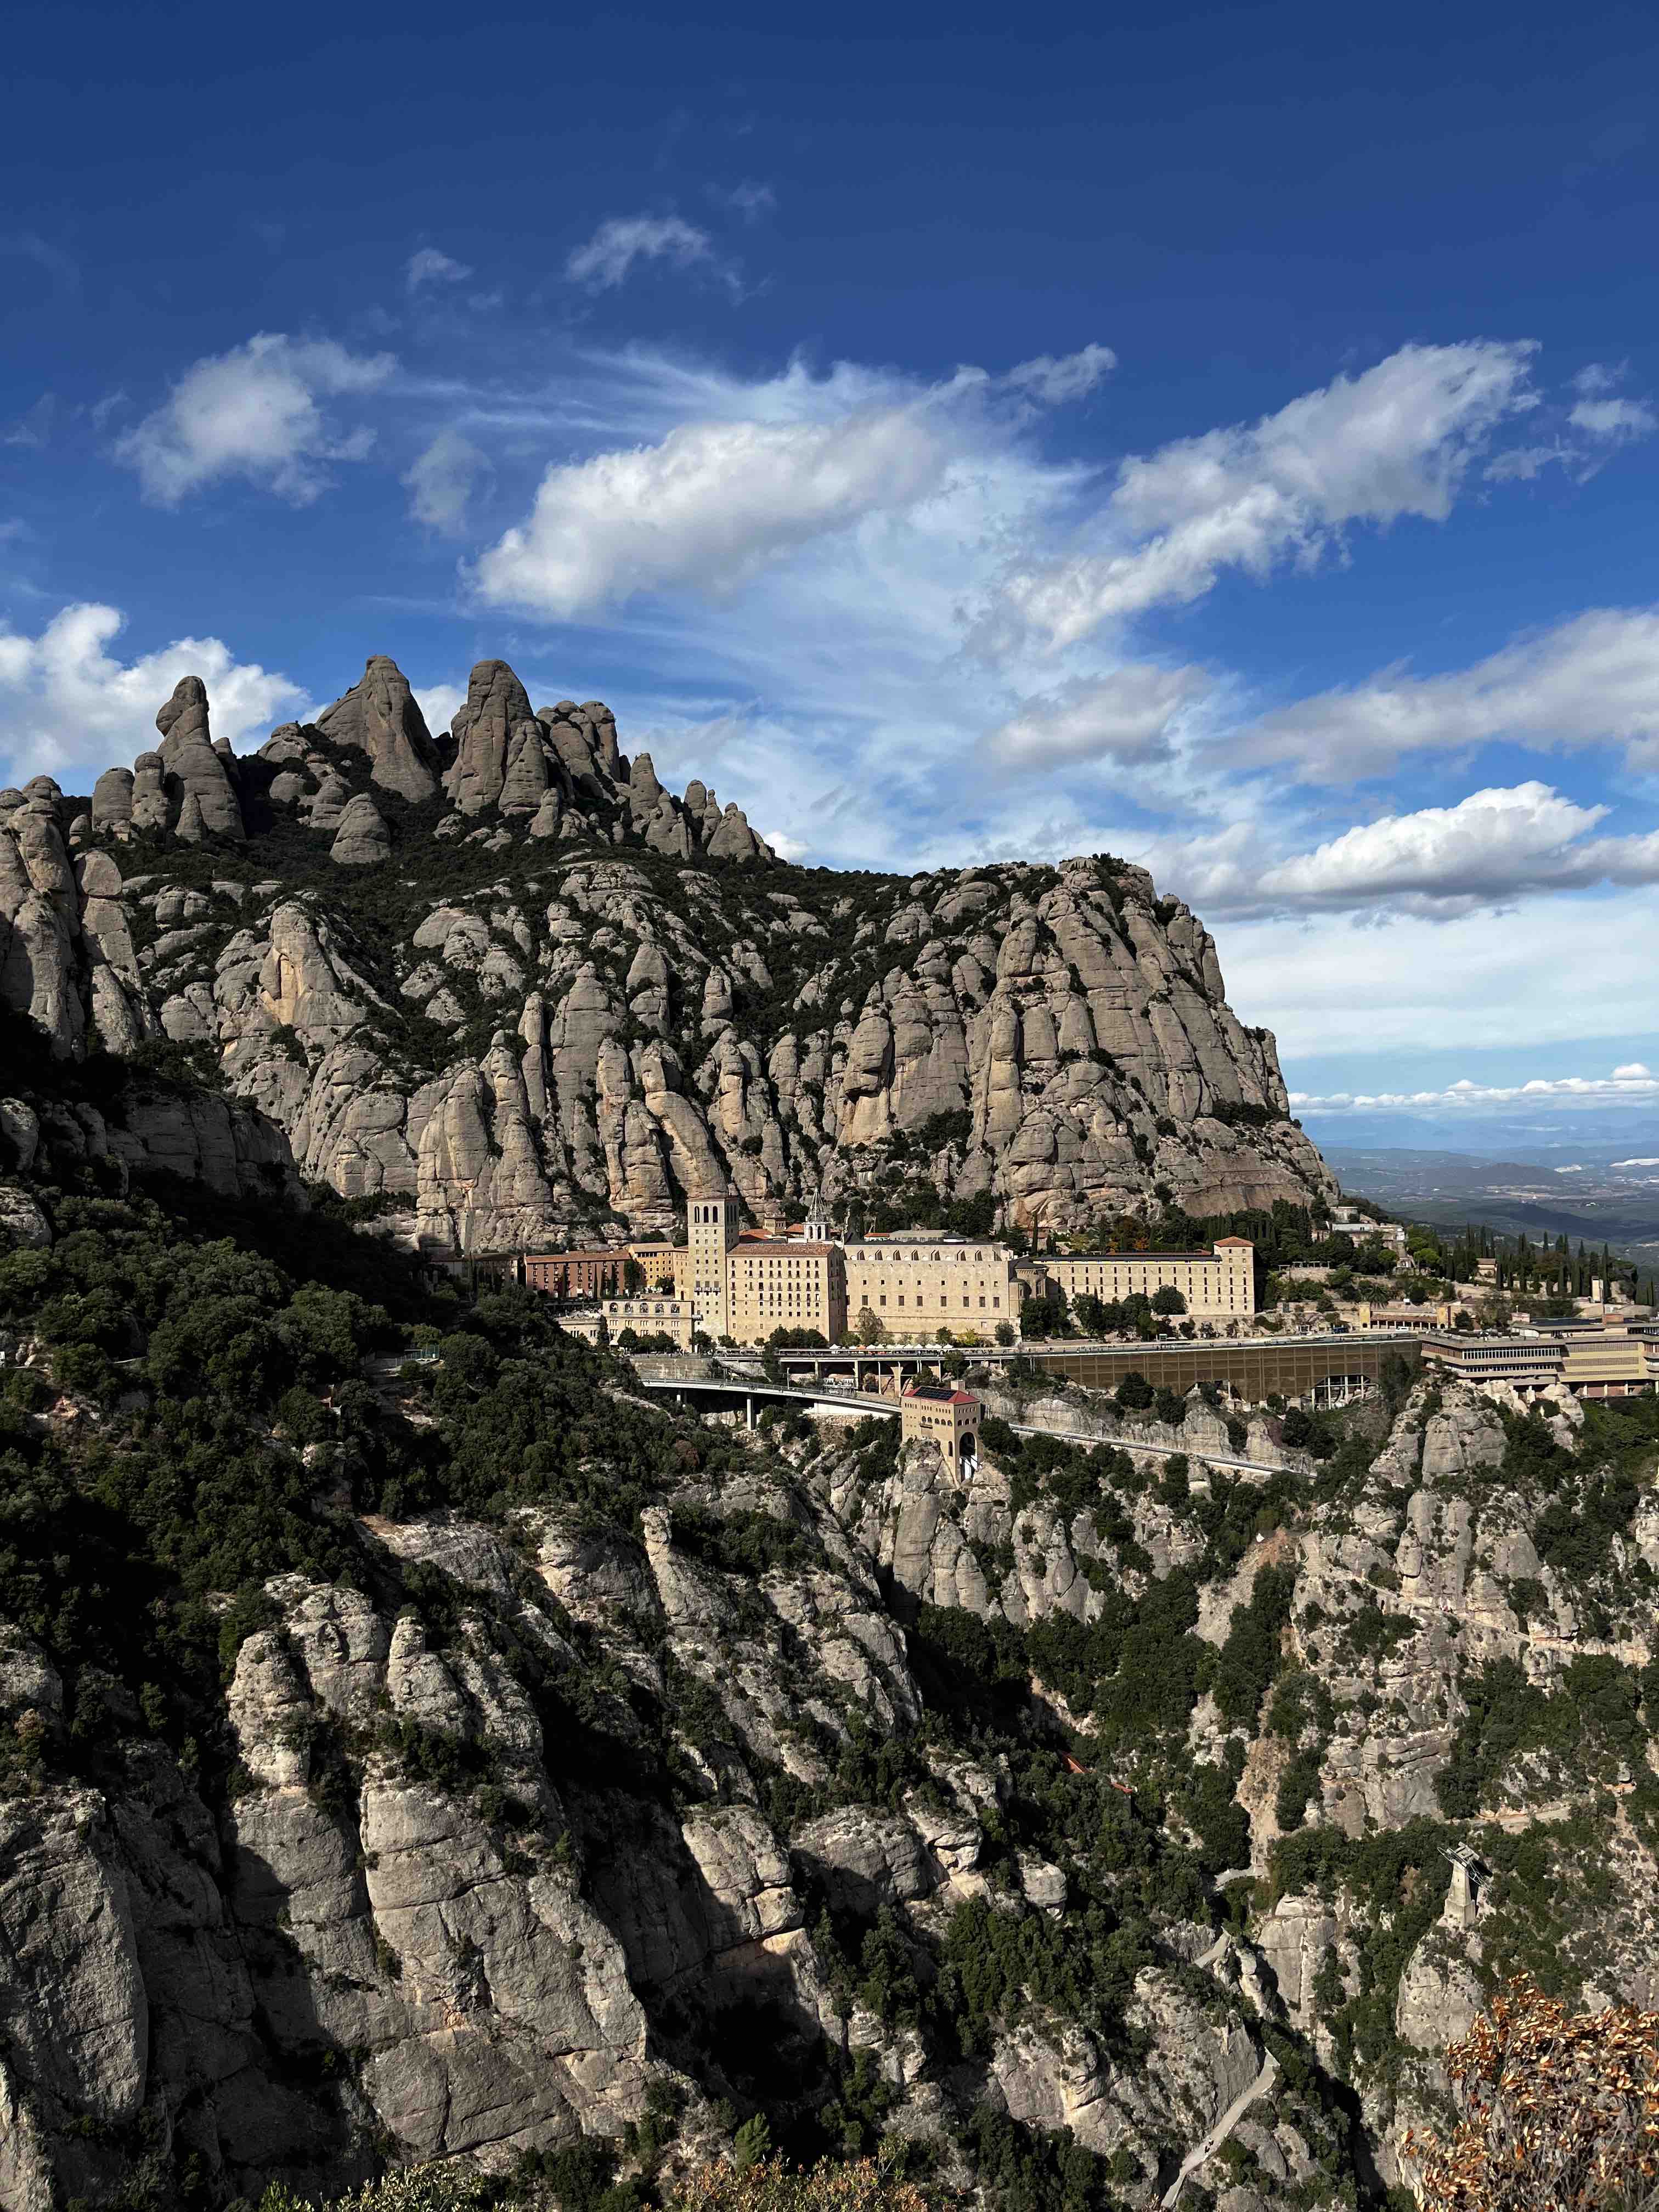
937,1413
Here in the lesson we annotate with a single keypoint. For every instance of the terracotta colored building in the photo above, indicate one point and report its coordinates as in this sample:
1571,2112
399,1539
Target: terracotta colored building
599,1274
937,1413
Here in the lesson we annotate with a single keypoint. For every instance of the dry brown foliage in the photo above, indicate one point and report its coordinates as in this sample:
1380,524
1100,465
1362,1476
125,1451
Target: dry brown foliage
1560,2112
773,2185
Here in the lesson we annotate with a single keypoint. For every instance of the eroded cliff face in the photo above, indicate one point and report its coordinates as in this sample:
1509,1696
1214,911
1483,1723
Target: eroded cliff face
1148,1805
509,981
427,1920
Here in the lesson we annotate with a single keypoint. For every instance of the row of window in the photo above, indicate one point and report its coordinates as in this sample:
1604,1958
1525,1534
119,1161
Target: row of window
946,1258
920,1303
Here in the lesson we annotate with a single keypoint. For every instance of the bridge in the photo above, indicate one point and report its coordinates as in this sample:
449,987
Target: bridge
711,1389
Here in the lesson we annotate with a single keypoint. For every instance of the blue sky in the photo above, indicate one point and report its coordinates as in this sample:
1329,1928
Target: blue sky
1226,439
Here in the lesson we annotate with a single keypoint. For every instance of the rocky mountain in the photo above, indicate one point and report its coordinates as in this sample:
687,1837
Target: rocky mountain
415,1744
506,980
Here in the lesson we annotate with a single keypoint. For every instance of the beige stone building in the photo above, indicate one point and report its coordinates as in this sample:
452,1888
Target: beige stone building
655,1261
936,1414
784,1283
702,1271
1217,1285
745,1287
652,1314
915,1283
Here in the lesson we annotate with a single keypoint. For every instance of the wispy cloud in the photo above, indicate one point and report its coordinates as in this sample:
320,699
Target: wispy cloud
34,428
709,507
1395,440
63,269
426,265
1614,418
622,243
442,479
1130,716
749,199
1073,376
1592,681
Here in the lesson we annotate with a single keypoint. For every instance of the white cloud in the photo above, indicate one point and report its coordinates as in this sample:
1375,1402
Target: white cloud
440,703
1127,717
608,258
254,412
1614,418
1592,681
428,266
1071,377
1491,848
442,479
1466,1095
1633,1070
1395,440
70,710
708,507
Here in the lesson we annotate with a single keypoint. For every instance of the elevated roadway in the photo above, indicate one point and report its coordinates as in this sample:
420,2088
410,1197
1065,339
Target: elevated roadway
714,1390
1314,1366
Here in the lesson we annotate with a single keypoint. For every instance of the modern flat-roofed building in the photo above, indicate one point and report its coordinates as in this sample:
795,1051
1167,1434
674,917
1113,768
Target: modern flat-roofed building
937,1413
1528,1364
915,1283
1611,1366
1603,1364
1216,1286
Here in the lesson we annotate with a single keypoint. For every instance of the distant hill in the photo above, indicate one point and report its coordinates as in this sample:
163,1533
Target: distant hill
1590,1201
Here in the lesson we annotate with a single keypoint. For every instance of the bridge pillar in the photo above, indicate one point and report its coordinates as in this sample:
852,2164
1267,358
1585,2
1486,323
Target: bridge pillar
748,1412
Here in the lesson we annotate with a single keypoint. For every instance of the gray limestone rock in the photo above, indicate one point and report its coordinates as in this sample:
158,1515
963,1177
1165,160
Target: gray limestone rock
40,926
192,767
1050,1031
497,705
362,840
112,802
381,716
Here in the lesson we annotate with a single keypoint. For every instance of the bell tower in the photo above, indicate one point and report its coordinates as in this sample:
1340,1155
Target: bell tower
817,1230
711,1231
